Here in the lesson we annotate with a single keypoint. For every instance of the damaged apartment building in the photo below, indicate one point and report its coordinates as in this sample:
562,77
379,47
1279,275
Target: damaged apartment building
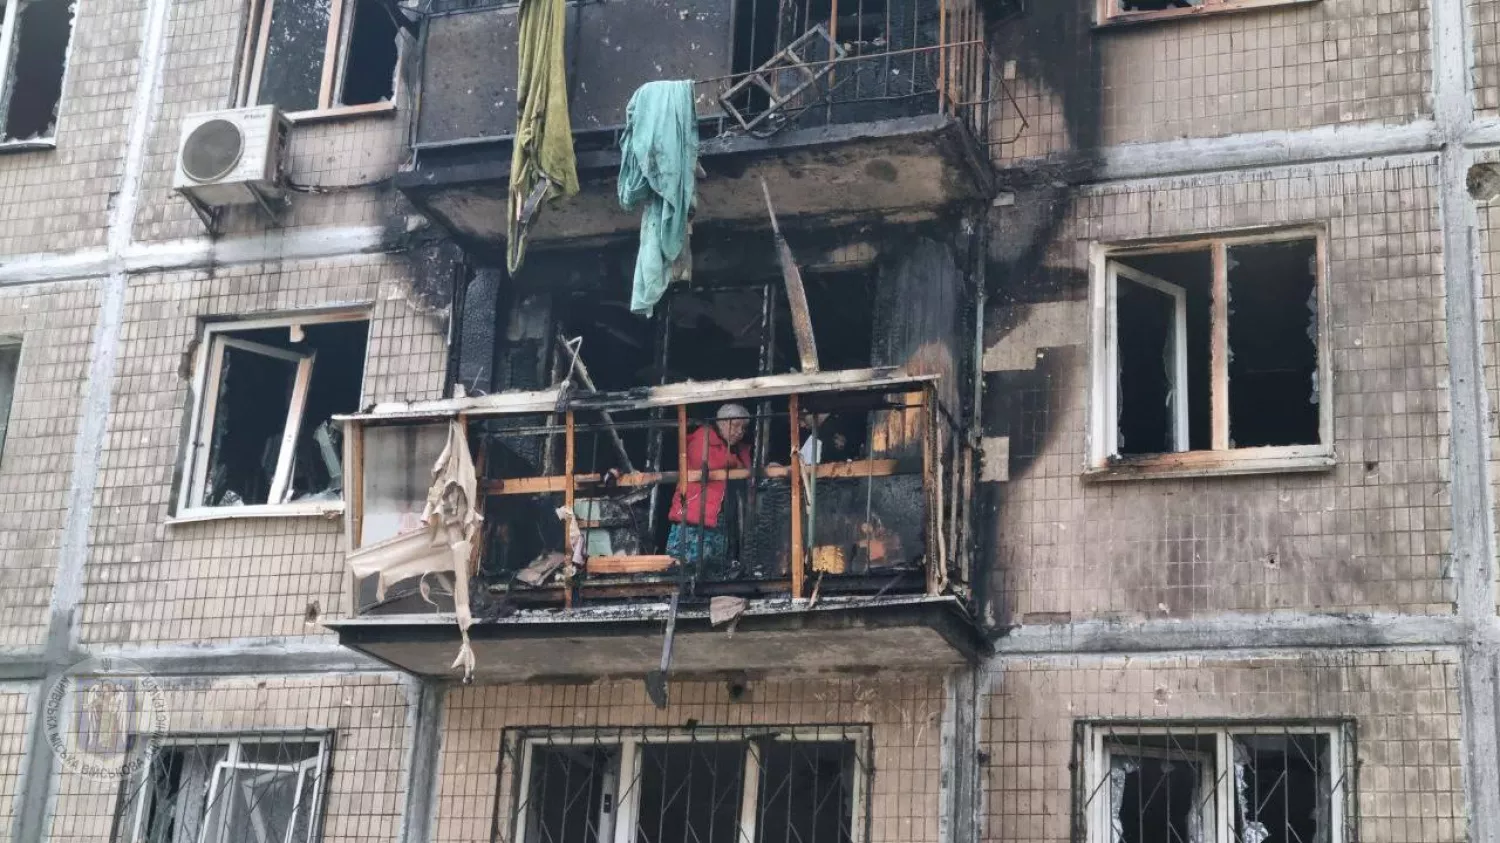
773,421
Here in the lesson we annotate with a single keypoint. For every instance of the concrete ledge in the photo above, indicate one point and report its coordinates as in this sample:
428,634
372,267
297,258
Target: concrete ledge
1239,632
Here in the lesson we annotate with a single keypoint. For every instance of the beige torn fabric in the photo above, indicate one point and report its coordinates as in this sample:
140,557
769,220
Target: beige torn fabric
443,545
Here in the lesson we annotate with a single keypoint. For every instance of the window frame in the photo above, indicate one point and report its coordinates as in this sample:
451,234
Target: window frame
1107,13
1092,820
627,798
193,466
10,14
1102,461
235,742
335,53
16,345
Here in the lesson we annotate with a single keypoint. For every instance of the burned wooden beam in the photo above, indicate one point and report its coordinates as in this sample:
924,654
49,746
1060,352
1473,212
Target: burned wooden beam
796,294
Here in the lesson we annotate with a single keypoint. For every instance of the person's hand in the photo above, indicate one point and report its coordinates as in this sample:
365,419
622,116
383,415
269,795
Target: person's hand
773,465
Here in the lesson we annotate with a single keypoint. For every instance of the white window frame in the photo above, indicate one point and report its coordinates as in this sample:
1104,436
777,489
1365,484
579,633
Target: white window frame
1219,827
8,22
209,363
235,743
627,800
1110,13
1103,460
335,55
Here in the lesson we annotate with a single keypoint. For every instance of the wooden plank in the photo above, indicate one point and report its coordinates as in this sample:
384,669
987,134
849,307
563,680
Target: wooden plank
558,482
930,496
331,52
796,294
798,575
477,551
604,565
1219,349
354,483
570,479
885,378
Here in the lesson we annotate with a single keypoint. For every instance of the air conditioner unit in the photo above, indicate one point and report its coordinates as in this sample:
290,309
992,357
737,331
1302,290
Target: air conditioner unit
232,157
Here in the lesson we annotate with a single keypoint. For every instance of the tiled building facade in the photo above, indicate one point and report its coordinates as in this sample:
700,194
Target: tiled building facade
1360,595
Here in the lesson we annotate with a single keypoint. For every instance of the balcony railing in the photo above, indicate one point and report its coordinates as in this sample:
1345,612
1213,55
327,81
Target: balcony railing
760,65
578,492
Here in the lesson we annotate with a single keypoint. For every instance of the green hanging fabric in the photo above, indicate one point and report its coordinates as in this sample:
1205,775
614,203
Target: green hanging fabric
542,165
659,165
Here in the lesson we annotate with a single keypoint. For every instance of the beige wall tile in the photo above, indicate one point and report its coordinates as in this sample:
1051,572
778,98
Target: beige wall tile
150,582
1372,534
1405,704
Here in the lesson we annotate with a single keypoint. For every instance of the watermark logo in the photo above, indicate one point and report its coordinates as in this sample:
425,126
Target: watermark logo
105,718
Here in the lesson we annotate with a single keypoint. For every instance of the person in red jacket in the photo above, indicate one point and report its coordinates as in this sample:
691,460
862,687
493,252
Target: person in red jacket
697,533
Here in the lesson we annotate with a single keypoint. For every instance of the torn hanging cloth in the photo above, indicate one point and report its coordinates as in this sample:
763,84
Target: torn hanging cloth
658,165
444,543
542,165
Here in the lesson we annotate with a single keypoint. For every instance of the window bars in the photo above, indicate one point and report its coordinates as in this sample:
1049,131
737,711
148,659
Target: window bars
764,784
261,788
1227,782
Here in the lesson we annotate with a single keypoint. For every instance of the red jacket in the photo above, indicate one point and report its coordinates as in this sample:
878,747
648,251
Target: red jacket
704,508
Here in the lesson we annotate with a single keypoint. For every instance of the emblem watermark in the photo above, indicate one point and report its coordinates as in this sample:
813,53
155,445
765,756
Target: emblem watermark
105,718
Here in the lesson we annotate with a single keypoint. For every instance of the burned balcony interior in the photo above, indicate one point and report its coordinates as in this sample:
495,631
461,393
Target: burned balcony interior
843,107
831,531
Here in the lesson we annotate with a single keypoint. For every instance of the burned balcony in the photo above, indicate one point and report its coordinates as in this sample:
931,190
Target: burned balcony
847,109
819,518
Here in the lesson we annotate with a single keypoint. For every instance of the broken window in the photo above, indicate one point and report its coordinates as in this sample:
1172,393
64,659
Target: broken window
264,432
755,785
1212,346
1236,783
311,55
251,789
10,360
33,59
1129,10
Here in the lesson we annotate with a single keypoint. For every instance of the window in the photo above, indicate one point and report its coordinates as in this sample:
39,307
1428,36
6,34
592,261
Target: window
1127,11
1200,783
1210,357
10,359
317,55
262,435
251,789
799,784
33,57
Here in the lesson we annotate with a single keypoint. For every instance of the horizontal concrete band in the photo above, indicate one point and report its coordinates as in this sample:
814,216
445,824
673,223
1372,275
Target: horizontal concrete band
1222,633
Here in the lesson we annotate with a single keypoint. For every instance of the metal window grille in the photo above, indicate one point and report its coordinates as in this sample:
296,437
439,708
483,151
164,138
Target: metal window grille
1200,782
764,784
262,788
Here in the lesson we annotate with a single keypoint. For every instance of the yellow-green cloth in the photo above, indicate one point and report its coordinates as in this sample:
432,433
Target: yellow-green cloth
659,166
544,133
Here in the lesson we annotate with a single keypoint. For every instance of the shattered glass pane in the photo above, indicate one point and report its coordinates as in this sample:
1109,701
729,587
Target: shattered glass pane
255,392
252,804
10,358
34,84
397,472
292,72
